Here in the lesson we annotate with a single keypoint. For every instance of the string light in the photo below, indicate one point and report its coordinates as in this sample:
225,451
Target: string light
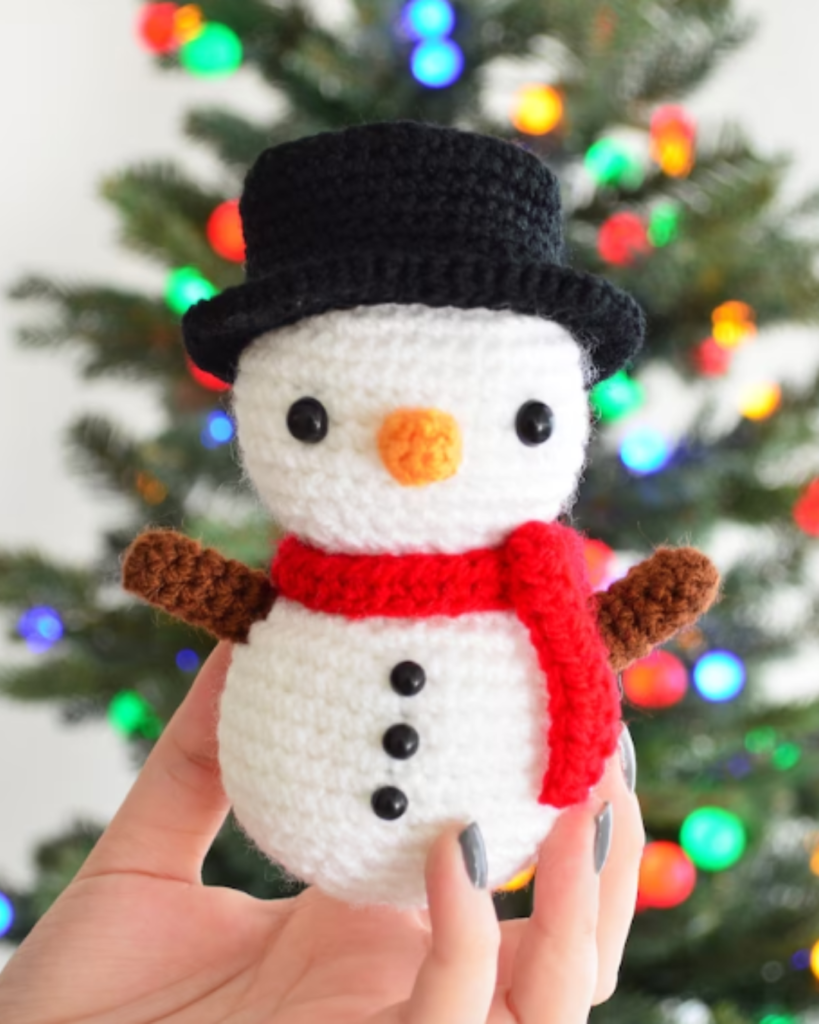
428,19
673,135
645,450
225,233
667,876
185,287
207,380
719,676
610,162
599,559
41,627
733,323
215,52
658,681
760,401
187,660
664,224
437,63
156,27
132,715
713,838
617,397
622,239
6,914
806,510
711,358
537,109
218,430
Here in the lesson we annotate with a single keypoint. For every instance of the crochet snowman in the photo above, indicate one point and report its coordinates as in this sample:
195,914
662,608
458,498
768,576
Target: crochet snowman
410,361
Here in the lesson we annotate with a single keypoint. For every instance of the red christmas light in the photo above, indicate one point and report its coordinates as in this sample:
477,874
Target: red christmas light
711,358
657,681
225,231
207,380
157,27
806,510
599,558
622,239
667,876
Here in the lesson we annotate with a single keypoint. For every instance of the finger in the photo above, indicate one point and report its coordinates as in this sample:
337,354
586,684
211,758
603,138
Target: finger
555,971
456,982
177,805
618,883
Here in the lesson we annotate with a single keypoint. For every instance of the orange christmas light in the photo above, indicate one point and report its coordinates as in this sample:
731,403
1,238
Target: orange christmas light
673,137
733,323
667,876
188,23
658,681
760,401
537,110
225,232
152,491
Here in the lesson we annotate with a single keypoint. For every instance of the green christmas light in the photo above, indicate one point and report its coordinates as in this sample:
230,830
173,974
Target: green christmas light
611,162
761,740
713,838
778,1018
786,755
215,53
185,287
132,715
617,397
664,224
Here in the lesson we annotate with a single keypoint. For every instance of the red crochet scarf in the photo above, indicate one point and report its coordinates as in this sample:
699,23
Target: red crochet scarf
539,572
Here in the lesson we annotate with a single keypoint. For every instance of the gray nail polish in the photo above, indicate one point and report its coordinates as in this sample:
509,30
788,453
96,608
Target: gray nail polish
474,853
628,758
604,823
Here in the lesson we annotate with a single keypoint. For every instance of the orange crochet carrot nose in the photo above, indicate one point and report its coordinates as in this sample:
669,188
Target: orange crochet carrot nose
420,446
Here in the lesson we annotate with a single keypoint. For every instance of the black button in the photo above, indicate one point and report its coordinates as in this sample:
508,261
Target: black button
389,803
407,678
307,420
535,423
401,741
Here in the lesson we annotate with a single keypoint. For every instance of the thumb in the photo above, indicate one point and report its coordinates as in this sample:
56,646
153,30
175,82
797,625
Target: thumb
456,982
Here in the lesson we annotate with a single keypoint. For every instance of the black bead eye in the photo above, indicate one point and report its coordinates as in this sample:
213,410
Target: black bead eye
535,423
307,420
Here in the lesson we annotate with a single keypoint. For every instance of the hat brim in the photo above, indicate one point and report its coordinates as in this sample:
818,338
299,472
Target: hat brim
602,318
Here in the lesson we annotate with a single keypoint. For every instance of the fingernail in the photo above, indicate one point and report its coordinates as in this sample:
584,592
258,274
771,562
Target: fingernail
604,823
628,758
474,853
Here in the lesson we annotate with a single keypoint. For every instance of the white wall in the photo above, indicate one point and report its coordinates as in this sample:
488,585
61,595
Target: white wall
80,99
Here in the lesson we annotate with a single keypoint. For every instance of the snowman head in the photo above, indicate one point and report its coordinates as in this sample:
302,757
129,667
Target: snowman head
406,428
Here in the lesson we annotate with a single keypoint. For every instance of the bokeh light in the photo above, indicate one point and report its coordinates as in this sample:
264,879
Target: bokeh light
713,838
719,676
225,233
156,27
187,660
645,450
623,239
760,401
437,63
611,162
664,224
667,876
786,756
185,287
428,19
6,914
617,397
131,714
658,681
537,109
219,429
41,627
215,52
733,323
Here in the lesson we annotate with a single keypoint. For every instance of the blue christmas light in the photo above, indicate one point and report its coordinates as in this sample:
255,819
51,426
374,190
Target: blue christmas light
6,914
41,628
800,961
437,63
644,450
219,429
187,660
719,676
428,19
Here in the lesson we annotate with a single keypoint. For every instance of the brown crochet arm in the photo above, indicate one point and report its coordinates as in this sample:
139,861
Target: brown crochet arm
196,584
658,598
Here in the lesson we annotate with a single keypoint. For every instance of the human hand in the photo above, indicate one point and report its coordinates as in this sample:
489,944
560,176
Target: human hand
137,939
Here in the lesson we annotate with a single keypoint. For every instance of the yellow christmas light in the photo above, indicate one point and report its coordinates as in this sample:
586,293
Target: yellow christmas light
814,861
759,401
538,109
675,155
188,23
521,879
733,323
814,960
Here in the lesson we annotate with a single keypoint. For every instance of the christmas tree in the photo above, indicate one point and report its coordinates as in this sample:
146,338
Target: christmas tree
694,226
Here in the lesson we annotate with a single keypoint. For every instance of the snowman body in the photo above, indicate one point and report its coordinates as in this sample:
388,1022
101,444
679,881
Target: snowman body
314,721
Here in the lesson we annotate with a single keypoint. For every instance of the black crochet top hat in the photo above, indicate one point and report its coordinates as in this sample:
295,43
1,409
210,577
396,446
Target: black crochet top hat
407,213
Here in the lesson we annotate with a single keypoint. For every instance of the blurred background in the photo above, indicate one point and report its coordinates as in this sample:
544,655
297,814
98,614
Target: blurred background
85,98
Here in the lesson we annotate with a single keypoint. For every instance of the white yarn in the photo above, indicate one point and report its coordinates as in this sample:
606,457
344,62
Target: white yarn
305,708
478,365
308,698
